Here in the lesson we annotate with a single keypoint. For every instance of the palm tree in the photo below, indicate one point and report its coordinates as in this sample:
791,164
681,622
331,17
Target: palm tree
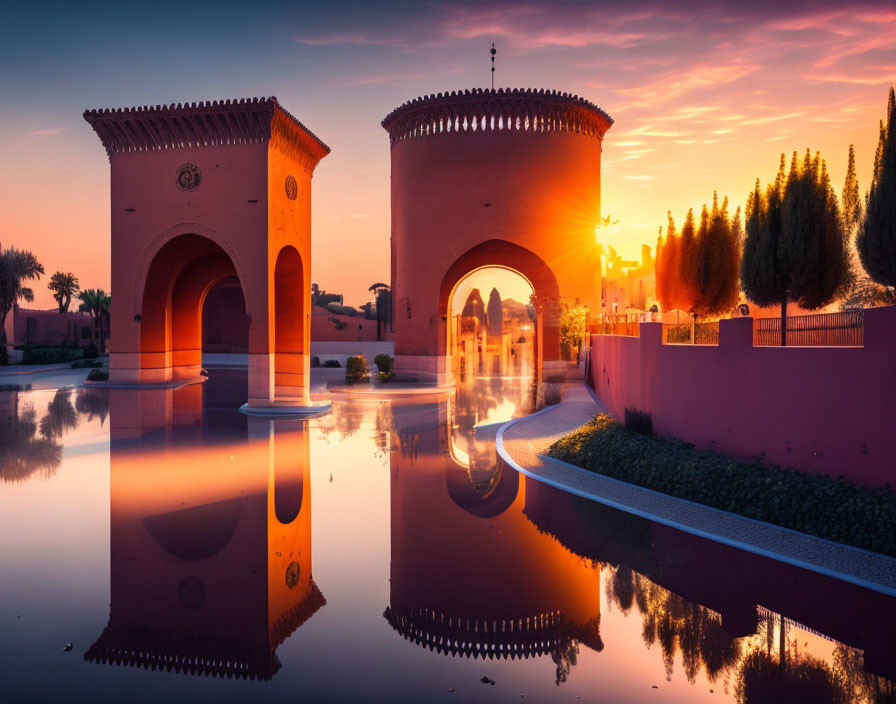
16,266
64,286
96,302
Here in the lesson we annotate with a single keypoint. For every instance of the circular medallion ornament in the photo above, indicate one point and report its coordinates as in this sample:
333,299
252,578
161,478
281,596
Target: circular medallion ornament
191,592
188,177
292,575
292,188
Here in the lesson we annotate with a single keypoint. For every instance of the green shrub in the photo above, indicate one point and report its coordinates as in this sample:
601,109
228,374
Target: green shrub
356,369
833,509
49,355
91,352
98,375
638,421
4,356
315,361
332,364
383,362
384,367
87,364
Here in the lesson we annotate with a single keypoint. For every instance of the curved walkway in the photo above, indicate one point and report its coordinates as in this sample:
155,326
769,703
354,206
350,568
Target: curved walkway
521,442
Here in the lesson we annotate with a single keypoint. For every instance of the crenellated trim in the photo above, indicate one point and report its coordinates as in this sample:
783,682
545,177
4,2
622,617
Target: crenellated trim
481,638
490,110
203,124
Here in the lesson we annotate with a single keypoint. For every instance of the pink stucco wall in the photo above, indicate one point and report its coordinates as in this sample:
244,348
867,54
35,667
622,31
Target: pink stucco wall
50,327
323,327
824,409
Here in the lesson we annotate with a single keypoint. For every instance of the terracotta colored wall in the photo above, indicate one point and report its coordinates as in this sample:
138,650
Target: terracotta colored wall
451,192
225,325
322,328
51,326
146,202
822,409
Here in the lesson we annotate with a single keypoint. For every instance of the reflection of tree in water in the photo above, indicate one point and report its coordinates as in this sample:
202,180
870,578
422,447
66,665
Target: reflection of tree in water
784,674
849,669
384,422
676,624
408,440
788,676
61,415
22,454
93,403
345,421
565,658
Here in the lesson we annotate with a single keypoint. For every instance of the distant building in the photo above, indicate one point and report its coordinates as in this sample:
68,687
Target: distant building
626,285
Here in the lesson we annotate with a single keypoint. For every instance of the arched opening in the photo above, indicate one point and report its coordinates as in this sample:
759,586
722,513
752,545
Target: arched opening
290,330
519,271
225,325
291,455
177,283
492,325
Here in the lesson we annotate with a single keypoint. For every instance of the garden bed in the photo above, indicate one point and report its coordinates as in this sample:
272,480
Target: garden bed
817,504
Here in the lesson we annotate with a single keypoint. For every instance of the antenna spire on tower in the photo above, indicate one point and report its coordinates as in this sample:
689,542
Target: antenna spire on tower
493,52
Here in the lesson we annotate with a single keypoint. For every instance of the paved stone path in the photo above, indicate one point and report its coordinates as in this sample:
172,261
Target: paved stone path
521,443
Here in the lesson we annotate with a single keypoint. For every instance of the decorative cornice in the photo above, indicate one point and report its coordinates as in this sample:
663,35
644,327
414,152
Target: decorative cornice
189,652
479,638
523,110
203,124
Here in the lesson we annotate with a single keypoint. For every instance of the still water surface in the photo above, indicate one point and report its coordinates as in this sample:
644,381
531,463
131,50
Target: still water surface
381,553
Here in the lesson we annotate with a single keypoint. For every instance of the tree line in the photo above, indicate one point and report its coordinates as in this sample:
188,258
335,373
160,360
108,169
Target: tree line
798,243
18,267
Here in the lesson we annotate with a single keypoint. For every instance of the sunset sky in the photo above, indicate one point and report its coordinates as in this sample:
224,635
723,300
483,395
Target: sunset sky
705,96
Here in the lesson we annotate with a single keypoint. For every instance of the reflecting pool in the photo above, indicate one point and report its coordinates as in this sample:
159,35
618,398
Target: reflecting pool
381,553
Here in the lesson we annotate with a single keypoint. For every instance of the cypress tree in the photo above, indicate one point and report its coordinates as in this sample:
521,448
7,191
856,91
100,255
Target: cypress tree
658,269
667,268
673,262
877,237
813,242
796,247
852,204
717,262
686,265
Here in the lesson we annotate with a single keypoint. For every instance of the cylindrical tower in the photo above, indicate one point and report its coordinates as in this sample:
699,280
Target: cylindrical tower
507,177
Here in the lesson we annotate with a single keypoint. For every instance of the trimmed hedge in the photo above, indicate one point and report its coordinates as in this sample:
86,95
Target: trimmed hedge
384,364
817,504
98,375
356,369
50,355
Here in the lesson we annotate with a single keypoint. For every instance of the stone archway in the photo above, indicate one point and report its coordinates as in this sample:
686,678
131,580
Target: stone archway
507,255
235,177
177,281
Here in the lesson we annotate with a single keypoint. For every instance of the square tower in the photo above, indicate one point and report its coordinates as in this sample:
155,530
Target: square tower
201,192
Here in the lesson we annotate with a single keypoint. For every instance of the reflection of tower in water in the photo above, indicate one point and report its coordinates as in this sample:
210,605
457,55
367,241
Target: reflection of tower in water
470,574
210,551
